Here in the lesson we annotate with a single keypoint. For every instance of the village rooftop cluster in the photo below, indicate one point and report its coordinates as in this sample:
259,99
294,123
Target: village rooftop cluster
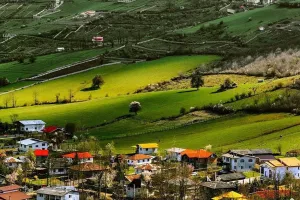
58,174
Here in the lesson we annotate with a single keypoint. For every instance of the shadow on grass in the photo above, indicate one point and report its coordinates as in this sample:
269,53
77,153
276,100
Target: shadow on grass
90,89
193,90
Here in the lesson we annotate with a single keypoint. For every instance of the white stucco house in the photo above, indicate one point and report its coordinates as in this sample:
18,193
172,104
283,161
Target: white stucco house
30,125
238,163
240,160
12,162
277,169
32,143
174,154
58,193
148,148
139,159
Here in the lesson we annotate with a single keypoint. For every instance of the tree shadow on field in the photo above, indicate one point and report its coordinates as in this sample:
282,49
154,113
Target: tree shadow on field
186,91
90,89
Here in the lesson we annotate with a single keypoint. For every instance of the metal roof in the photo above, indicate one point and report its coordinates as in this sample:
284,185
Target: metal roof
30,141
175,149
290,162
231,177
218,185
148,145
251,151
56,191
32,122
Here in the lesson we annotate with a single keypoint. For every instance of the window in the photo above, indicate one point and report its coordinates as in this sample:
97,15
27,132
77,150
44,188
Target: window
146,149
70,196
250,160
26,129
242,160
234,167
43,144
43,148
60,170
41,195
36,145
35,128
30,146
242,167
235,161
249,167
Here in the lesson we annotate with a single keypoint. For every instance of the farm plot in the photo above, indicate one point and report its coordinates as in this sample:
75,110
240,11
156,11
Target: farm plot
20,11
248,22
15,70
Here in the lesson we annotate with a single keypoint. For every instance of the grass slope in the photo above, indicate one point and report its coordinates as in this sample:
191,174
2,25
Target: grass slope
239,23
15,70
155,105
241,131
119,79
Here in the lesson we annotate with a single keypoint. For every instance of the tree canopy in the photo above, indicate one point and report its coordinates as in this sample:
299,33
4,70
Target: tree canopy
97,81
135,106
197,81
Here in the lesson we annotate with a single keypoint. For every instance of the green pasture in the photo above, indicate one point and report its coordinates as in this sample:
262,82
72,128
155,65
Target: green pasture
119,79
240,131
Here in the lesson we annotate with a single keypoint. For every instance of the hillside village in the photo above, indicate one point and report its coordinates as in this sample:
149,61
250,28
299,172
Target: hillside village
149,99
37,167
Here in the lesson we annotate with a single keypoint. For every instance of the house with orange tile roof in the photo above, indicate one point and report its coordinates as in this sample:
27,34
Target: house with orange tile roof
147,148
12,192
83,157
198,158
277,169
139,159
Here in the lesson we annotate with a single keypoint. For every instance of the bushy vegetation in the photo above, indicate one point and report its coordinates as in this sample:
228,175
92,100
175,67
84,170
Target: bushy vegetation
275,64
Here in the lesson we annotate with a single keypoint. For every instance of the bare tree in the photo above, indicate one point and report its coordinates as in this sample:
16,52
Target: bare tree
71,95
13,99
57,95
6,101
35,95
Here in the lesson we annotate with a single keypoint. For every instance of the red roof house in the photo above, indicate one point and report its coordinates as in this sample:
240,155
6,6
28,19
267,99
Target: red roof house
41,153
82,156
198,158
12,192
50,129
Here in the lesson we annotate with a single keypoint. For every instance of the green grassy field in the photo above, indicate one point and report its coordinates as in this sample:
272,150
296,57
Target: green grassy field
240,131
119,79
15,70
239,24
